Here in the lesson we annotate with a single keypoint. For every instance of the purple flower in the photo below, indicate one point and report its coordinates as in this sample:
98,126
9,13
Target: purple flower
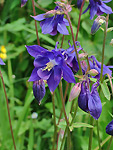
109,128
50,66
53,21
98,7
39,90
90,101
95,64
70,55
1,62
23,2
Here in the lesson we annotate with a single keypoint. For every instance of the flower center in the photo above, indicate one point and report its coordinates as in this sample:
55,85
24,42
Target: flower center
49,65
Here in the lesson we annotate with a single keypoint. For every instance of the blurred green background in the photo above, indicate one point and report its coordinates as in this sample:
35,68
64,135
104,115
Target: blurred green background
17,29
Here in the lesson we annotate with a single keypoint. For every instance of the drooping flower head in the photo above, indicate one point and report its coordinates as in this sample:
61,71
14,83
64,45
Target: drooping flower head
98,7
23,2
39,90
90,101
49,66
109,128
53,21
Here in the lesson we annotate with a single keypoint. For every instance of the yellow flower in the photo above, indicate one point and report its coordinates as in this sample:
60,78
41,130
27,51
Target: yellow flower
3,56
3,49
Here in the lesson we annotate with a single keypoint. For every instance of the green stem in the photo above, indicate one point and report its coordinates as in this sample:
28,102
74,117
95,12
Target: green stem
109,143
79,19
103,48
63,104
76,108
35,23
11,87
54,118
80,69
8,111
91,133
98,135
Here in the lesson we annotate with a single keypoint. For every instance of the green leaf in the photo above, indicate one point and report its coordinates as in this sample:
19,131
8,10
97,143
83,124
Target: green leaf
44,3
79,124
93,79
105,90
110,29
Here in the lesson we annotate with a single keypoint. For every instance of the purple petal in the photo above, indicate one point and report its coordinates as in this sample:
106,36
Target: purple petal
66,22
39,90
44,74
47,27
68,74
62,29
35,50
93,11
54,32
34,76
40,61
105,9
1,62
54,79
109,128
94,103
39,17
83,98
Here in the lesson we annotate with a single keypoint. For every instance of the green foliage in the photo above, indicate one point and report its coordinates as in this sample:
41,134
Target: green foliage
17,30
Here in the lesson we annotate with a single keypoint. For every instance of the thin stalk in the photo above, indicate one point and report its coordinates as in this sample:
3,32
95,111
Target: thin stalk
75,112
103,142
73,41
63,138
103,48
109,143
91,133
67,85
54,119
98,135
62,41
79,20
63,104
34,12
8,111
11,87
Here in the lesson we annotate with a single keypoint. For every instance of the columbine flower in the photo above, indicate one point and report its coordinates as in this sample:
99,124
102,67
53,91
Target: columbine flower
50,66
1,62
23,2
95,64
98,7
53,21
39,90
90,101
109,128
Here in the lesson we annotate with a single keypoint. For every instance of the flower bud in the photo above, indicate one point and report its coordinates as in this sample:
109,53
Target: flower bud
97,23
39,90
75,91
93,72
109,128
83,56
